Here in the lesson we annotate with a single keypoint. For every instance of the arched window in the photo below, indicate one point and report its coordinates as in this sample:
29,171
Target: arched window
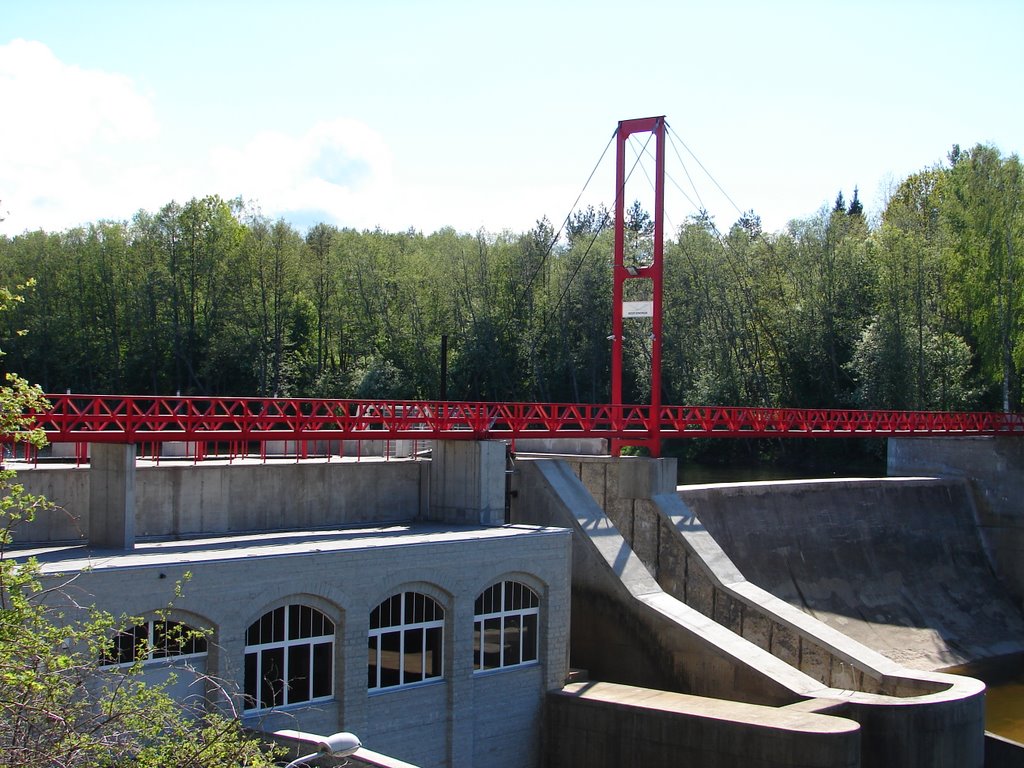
406,641
289,658
155,640
505,626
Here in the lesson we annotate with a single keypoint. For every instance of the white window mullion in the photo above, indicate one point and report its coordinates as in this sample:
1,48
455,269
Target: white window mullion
423,653
401,657
284,672
259,679
380,658
311,681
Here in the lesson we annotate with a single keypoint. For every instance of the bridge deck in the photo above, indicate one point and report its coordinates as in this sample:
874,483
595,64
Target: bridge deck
127,419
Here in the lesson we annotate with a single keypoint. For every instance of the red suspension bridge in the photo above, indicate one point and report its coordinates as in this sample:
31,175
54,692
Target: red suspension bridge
240,420
236,423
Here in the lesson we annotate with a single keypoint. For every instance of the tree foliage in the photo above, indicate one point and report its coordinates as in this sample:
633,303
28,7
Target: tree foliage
210,297
60,705
983,220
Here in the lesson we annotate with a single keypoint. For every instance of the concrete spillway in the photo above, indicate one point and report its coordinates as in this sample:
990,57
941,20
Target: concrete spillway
895,563
658,604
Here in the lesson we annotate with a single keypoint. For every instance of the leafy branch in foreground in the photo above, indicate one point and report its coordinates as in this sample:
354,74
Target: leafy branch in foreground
62,702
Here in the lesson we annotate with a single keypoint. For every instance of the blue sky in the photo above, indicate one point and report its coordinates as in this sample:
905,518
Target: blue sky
474,114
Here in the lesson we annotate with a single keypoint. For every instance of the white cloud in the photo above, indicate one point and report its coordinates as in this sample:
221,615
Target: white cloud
78,146
84,145
64,127
55,109
340,168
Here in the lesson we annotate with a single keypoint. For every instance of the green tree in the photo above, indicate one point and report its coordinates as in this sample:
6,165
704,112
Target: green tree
271,254
856,207
59,704
574,314
324,290
149,357
831,279
202,238
885,363
982,202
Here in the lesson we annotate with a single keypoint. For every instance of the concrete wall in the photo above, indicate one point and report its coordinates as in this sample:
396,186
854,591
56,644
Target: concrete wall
576,446
926,719
895,563
994,467
453,722
624,627
640,499
611,726
467,482
181,499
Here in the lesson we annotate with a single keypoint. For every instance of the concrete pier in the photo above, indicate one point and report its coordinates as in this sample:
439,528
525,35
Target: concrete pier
112,497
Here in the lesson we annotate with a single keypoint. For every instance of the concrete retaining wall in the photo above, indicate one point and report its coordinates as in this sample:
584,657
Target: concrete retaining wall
624,627
894,563
689,564
610,726
181,499
925,720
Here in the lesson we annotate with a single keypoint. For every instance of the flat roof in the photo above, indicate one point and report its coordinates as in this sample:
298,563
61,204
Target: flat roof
55,558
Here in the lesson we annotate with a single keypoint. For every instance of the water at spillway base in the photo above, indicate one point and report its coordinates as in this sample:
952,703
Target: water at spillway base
1004,697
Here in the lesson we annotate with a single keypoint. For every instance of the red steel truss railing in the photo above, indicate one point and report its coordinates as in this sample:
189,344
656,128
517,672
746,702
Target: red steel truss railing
132,419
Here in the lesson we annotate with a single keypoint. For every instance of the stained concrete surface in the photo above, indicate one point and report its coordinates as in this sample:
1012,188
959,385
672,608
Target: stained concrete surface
604,725
896,563
916,719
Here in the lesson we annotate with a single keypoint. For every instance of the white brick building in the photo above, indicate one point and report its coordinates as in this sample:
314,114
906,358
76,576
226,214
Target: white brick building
433,641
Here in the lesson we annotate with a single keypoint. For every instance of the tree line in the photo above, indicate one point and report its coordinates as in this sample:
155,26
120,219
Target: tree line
918,309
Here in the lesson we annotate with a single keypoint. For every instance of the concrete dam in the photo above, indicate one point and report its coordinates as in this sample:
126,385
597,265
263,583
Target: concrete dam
894,563
789,624
838,601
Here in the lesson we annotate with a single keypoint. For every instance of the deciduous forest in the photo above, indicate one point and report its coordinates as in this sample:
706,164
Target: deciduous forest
917,308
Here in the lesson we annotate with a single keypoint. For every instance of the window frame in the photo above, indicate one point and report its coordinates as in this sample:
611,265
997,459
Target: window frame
157,650
290,647
406,627
509,617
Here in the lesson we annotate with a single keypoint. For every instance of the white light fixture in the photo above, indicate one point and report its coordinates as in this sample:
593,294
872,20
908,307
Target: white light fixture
336,745
340,744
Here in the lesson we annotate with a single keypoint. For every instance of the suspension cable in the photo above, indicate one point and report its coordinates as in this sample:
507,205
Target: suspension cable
706,172
600,229
558,234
